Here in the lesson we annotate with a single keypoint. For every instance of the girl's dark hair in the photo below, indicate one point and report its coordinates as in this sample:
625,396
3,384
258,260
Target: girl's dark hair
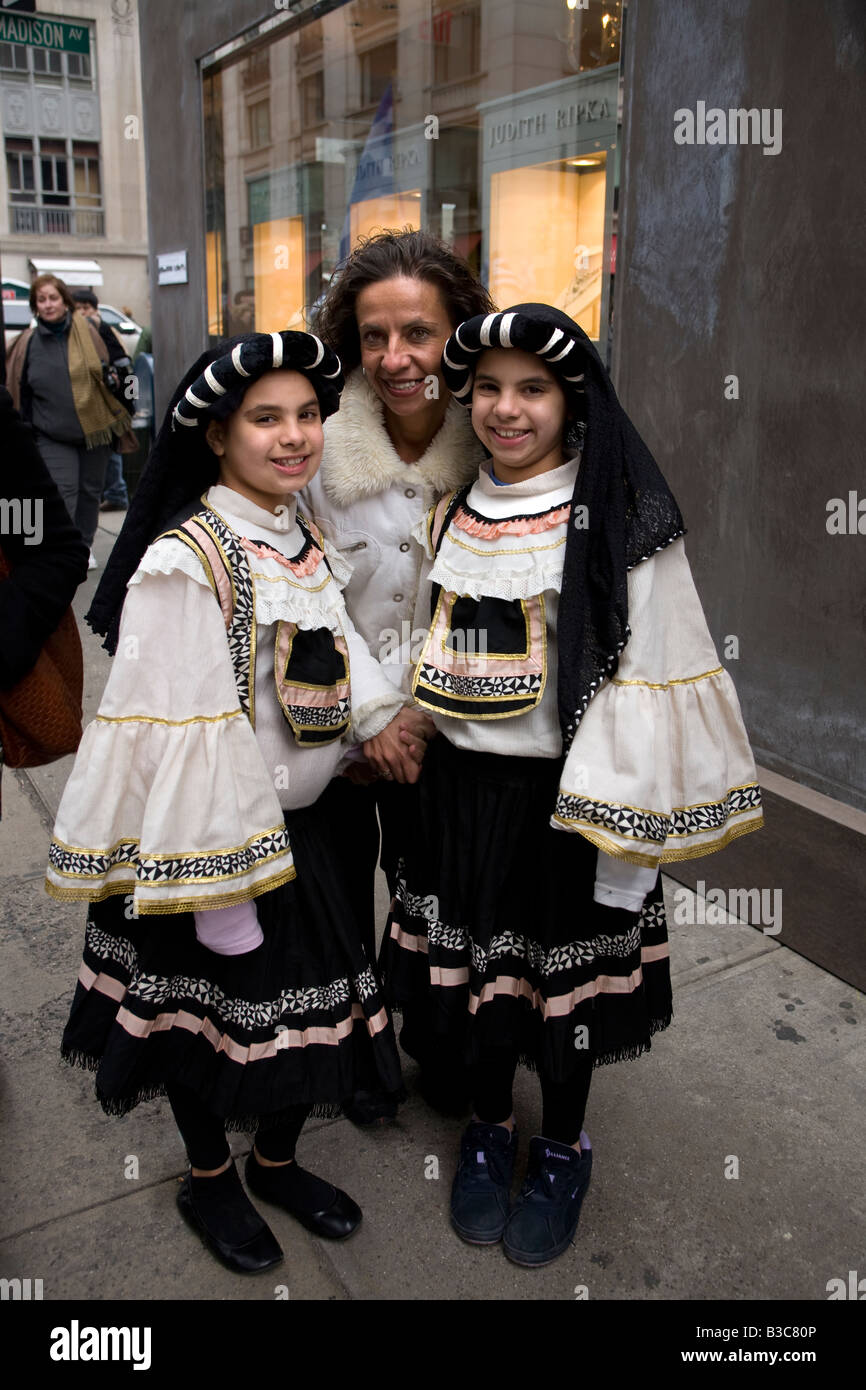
418,255
61,287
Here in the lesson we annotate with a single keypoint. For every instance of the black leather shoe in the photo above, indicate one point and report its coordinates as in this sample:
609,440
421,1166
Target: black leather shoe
339,1217
368,1108
237,1235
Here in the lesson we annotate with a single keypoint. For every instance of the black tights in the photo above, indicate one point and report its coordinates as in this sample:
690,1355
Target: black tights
563,1102
205,1137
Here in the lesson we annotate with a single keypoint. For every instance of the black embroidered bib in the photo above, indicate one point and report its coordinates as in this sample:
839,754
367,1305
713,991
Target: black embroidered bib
311,667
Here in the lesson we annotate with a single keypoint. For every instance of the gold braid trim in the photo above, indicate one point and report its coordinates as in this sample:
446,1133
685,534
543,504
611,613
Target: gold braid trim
158,909
667,856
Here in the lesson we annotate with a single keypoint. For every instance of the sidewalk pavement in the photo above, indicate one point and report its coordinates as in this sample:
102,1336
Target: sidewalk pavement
727,1162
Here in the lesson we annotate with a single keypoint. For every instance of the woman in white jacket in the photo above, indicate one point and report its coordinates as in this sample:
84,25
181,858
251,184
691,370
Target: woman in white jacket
398,444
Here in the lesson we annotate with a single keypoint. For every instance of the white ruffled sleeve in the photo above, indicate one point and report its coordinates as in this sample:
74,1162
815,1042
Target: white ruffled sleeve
661,768
169,799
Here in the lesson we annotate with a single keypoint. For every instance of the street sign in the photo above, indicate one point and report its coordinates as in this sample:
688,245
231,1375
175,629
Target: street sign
44,33
171,268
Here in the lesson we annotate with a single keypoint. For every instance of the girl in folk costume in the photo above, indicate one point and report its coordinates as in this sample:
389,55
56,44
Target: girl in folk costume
223,964
587,735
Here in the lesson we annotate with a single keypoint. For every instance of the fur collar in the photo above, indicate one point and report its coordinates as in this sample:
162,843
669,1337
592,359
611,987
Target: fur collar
360,460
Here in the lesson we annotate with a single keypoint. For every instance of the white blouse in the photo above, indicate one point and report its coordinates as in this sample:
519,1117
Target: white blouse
660,768
176,796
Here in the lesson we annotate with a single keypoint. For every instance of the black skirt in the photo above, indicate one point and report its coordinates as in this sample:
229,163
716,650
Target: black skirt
494,928
299,1021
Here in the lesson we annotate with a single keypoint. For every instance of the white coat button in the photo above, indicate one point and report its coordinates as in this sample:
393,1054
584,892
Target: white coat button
398,598
405,546
410,492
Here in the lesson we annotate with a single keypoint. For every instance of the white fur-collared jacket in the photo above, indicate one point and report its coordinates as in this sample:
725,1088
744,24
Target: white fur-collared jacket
367,501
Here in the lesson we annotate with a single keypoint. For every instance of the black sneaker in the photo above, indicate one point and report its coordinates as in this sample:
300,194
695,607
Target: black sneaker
481,1192
544,1218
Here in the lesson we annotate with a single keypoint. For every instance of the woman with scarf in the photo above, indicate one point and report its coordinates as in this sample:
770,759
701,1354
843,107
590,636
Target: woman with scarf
398,443
55,378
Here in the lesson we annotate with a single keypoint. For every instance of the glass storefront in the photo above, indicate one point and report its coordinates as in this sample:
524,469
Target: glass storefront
492,123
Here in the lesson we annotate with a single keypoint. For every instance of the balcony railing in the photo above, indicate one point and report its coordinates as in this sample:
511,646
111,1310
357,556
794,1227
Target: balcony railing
26,219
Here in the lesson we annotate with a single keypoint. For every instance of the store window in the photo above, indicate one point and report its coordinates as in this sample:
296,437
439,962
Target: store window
456,37
516,169
55,173
259,115
13,58
378,71
88,187
20,170
47,63
79,68
256,69
313,98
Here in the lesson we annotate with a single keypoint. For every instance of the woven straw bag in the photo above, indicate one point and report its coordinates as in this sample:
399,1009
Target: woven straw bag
40,717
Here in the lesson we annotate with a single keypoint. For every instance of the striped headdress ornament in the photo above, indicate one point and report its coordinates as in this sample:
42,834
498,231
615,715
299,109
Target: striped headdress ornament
251,357
536,328
623,509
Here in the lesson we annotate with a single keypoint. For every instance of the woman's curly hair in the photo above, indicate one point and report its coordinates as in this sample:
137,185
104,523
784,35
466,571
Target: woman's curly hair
61,287
417,255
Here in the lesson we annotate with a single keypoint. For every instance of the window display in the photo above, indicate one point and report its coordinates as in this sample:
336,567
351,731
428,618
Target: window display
547,220
491,123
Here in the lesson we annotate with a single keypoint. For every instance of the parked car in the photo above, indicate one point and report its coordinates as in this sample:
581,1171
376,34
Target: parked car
16,317
126,329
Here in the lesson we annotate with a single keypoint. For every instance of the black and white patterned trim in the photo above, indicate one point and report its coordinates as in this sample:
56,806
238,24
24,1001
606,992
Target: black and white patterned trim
186,868
427,907
693,820
654,917
546,961
481,687
655,827
201,868
320,717
156,990
108,947
243,618
622,820
567,957
76,863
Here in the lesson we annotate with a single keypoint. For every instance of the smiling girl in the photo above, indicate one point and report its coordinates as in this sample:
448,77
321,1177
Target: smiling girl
591,736
223,962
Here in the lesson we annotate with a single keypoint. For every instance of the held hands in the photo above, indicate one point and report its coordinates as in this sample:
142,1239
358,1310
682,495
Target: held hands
398,751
